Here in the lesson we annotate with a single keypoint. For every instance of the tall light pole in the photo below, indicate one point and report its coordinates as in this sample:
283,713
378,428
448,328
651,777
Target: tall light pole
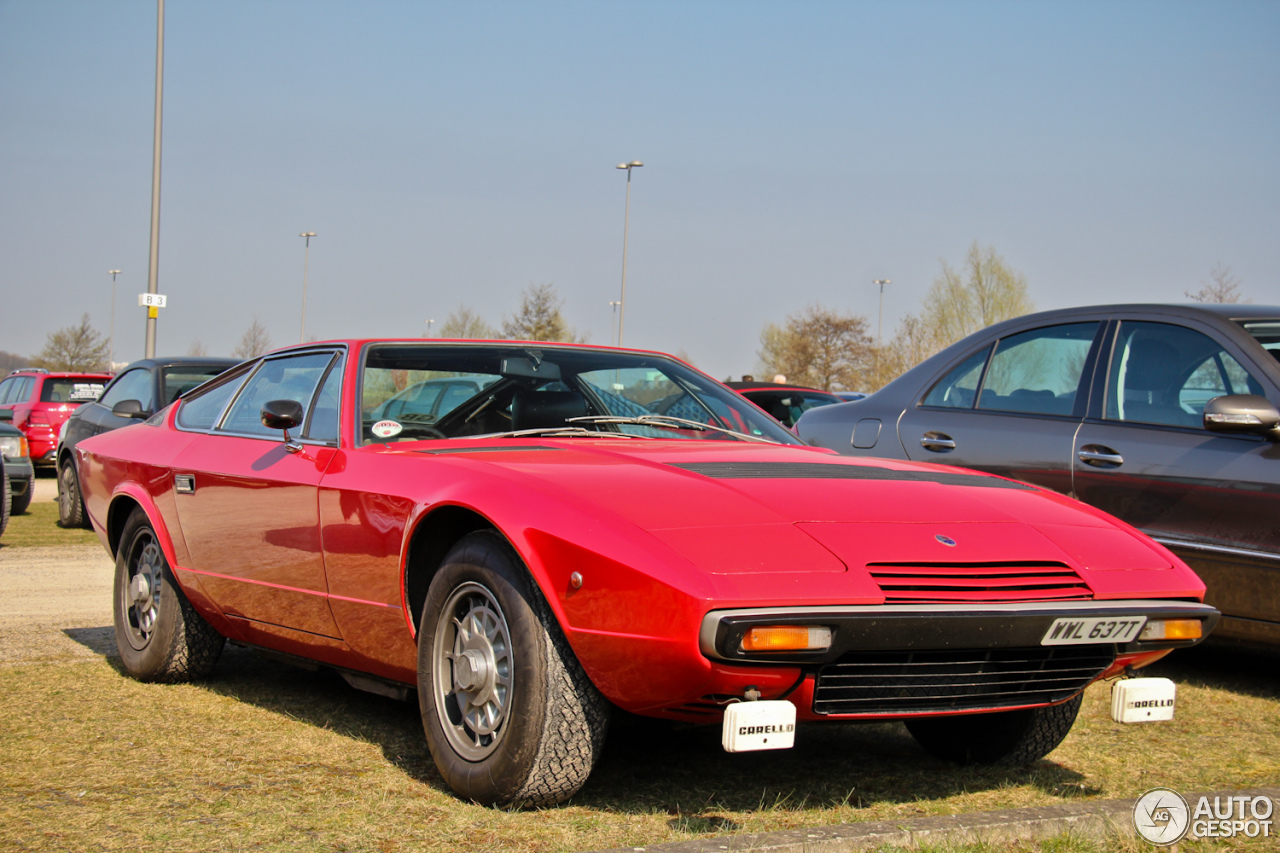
429,324
626,221
880,322
306,257
613,323
153,264
113,274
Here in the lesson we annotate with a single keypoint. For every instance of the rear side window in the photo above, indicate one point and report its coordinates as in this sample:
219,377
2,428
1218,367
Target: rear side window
202,412
1038,372
959,388
179,380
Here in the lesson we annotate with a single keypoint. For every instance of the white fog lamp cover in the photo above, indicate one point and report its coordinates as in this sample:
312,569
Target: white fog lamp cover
1143,700
752,726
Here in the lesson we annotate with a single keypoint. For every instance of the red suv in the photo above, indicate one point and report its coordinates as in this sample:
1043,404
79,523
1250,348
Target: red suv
41,401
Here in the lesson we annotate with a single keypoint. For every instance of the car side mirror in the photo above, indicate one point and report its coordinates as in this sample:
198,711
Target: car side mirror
285,415
1242,413
129,409
6,415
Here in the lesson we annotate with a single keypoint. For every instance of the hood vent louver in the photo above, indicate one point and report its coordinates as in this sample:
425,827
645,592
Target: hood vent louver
919,583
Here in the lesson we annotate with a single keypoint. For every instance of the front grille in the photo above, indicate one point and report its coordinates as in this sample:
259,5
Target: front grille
923,682
939,582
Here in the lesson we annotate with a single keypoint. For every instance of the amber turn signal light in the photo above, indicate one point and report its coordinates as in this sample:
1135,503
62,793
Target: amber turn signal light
787,638
1172,629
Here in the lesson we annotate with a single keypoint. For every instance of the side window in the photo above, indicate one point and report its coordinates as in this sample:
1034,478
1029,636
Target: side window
290,378
23,392
1038,372
6,388
323,425
1164,374
132,385
959,388
202,412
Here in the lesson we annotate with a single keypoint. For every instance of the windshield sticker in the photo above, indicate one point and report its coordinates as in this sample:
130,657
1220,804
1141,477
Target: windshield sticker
85,391
386,429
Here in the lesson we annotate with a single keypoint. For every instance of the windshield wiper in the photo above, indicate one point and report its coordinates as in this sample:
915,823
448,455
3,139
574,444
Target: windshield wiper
665,422
554,432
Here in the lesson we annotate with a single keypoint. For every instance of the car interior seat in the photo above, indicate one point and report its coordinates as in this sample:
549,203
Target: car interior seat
545,409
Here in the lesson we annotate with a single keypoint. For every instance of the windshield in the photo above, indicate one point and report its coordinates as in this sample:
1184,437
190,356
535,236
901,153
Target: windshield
421,391
1266,333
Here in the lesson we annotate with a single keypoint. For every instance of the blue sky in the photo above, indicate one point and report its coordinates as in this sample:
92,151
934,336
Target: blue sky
455,153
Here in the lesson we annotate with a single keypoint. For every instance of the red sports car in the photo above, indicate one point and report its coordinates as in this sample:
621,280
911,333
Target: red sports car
596,528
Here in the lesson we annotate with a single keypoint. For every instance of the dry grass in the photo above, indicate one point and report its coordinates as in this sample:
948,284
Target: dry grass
266,757
38,526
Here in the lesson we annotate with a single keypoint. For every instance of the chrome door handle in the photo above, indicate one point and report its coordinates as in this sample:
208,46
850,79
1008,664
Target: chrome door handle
184,484
1100,457
937,442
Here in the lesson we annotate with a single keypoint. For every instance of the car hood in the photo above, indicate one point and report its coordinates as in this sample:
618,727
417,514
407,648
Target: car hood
748,508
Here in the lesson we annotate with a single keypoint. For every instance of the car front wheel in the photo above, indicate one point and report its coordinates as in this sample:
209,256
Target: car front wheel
510,716
159,634
70,503
1007,737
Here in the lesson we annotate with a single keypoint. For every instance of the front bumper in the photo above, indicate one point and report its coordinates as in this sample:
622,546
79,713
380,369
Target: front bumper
905,660
21,473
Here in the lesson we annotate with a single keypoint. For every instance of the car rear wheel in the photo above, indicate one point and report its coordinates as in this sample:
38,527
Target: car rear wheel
159,634
70,503
4,498
510,716
1009,737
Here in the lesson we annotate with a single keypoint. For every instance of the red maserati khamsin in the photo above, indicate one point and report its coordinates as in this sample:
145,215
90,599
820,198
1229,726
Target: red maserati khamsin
532,534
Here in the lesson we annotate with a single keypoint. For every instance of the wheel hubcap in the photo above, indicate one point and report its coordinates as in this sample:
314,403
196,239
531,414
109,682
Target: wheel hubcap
142,593
473,671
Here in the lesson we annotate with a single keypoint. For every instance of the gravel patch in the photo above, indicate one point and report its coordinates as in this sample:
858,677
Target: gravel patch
56,604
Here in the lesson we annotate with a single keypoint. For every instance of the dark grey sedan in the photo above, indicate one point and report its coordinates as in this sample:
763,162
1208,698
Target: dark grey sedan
141,389
1163,415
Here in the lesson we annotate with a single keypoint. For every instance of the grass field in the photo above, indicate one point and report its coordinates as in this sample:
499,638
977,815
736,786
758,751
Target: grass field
264,756
38,526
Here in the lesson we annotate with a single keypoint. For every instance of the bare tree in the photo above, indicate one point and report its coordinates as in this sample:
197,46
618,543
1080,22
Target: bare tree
76,347
1223,286
539,317
984,291
818,347
197,348
11,361
465,323
254,342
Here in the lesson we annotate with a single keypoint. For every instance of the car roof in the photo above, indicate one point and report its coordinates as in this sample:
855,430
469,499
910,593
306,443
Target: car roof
772,386
183,361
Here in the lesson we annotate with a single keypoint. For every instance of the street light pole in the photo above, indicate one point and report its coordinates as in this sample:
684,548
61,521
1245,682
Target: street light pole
153,264
626,221
113,273
306,257
613,323
880,322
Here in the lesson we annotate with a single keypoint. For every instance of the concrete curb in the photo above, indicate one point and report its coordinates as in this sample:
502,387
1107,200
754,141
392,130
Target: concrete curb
1097,819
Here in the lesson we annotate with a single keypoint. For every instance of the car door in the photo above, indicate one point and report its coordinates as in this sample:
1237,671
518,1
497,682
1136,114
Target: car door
249,503
1143,455
1011,407
96,417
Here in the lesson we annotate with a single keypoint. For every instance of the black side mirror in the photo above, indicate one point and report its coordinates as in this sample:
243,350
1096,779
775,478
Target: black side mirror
6,415
129,409
285,415
1242,413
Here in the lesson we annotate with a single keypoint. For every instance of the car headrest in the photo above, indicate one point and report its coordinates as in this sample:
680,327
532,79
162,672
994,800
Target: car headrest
545,409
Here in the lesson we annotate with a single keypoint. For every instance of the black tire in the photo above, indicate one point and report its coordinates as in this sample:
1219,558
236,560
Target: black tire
70,501
4,497
18,503
159,634
1011,738
519,724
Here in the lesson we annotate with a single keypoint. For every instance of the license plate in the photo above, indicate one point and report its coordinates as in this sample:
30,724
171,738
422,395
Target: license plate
1071,631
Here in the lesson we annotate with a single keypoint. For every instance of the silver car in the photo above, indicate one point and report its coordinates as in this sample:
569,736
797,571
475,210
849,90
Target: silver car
1163,415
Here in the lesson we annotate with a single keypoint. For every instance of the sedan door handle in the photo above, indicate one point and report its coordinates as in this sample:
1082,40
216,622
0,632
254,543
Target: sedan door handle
938,442
1100,456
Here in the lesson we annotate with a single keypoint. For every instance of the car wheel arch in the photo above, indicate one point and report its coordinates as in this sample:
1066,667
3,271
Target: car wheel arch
434,535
